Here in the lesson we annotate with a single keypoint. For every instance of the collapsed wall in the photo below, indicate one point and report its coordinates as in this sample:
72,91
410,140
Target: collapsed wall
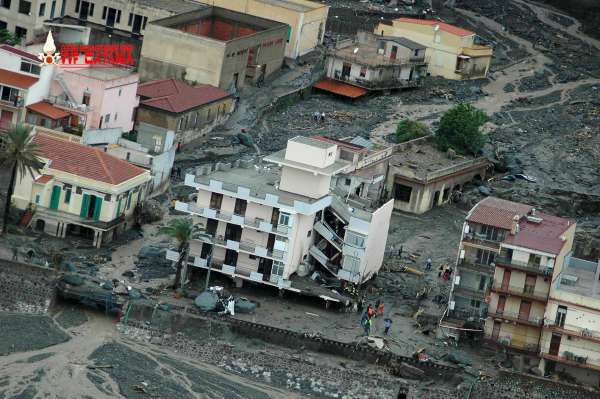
26,288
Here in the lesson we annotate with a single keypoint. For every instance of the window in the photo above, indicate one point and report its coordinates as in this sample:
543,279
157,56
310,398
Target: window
78,190
347,181
104,11
52,9
3,25
91,12
363,72
30,68
144,22
118,16
20,32
561,315
284,219
86,98
529,284
535,259
492,233
120,91
106,118
37,199
24,7
128,156
253,257
354,239
67,195
116,116
309,233
475,303
351,264
485,257
42,9
402,192
130,19
482,281
77,4
278,268
5,3
107,197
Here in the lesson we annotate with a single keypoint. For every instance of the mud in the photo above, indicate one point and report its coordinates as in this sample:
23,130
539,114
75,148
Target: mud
24,333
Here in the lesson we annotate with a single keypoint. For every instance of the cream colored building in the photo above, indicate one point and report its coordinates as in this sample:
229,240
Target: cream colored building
452,52
305,19
264,222
81,191
570,341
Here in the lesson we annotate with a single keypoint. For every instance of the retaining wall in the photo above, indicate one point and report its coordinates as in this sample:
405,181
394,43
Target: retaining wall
26,288
175,322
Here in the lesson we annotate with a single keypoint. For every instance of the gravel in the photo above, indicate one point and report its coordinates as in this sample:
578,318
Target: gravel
22,333
71,316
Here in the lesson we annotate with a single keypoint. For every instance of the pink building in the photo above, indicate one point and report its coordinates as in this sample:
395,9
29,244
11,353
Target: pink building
98,98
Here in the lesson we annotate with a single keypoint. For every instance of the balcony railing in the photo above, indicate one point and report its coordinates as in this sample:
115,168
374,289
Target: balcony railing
482,240
255,223
377,84
378,60
572,330
241,245
524,266
476,266
519,318
521,291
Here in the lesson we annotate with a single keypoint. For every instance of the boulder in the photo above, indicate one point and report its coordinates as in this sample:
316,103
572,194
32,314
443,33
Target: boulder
207,301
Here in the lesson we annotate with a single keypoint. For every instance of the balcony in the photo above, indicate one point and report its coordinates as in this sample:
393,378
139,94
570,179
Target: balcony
573,331
480,241
248,247
523,266
528,320
526,292
316,253
217,214
468,292
574,361
327,232
507,342
377,84
477,51
67,217
476,267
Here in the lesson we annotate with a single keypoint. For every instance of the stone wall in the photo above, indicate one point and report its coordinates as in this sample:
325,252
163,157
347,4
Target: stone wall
26,288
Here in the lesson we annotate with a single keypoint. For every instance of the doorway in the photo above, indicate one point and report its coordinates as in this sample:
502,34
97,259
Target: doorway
555,344
506,280
5,119
40,225
346,68
111,17
436,199
84,9
524,310
394,53
496,330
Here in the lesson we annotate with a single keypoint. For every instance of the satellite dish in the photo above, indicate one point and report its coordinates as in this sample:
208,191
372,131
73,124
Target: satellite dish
355,50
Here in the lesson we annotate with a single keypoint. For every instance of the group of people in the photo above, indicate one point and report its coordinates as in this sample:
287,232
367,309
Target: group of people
370,314
319,116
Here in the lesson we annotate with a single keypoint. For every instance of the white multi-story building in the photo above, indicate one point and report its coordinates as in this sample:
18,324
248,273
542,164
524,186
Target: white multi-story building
318,203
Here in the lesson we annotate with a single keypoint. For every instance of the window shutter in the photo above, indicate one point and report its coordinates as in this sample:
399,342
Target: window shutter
85,204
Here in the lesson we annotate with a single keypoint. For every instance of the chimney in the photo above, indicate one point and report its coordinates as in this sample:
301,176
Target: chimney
532,212
514,229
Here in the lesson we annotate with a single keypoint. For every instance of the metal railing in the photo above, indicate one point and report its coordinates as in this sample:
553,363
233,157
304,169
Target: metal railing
516,316
376,60
377,83
525,266
572,330
246,246
523,291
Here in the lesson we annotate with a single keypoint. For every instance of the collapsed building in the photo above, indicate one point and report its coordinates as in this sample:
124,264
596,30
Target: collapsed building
317,205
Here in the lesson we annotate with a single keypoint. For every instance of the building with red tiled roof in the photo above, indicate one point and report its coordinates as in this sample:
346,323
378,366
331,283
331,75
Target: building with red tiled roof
47,115
81,191
190,111
452,52
508,255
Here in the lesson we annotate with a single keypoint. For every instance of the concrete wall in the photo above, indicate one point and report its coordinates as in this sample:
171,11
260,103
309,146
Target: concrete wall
300,242
190,125
306,28
199,59
25,288
377,239
443,48
308,154
33,22
304,183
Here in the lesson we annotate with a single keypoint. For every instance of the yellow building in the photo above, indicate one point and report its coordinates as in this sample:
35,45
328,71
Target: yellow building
305,19
81,191
452,52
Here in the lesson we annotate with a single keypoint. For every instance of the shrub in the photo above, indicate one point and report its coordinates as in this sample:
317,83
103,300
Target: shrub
459,129
409,130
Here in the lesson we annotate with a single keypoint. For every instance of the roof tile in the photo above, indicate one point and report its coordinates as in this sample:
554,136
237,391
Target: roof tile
177,96
49,110
15,79
84,161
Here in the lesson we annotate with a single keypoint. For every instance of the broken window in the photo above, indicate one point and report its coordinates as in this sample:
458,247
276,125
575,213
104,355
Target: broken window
402,192
475,303
446,194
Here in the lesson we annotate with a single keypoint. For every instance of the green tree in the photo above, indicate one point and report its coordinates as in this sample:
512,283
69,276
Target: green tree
459,129
8,38
182,230
409,130
22,156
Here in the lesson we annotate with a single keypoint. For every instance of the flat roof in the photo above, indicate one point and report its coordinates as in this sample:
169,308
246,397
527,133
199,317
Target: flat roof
294,5
313,142
424,158
174,6
110,73
279,158
578,276
218,23
367,54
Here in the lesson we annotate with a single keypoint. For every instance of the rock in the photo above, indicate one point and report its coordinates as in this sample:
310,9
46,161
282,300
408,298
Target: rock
207,301
151,211
128,273
243,305
484,190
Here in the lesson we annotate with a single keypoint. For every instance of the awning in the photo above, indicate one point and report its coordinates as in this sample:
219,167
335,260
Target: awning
340,88
464,57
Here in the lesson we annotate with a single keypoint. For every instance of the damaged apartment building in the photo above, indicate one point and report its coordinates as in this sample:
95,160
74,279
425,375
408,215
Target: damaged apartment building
517,280
316,204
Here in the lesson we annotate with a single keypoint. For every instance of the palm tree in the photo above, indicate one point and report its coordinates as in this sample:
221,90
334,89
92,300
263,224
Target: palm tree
182,230
22,156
